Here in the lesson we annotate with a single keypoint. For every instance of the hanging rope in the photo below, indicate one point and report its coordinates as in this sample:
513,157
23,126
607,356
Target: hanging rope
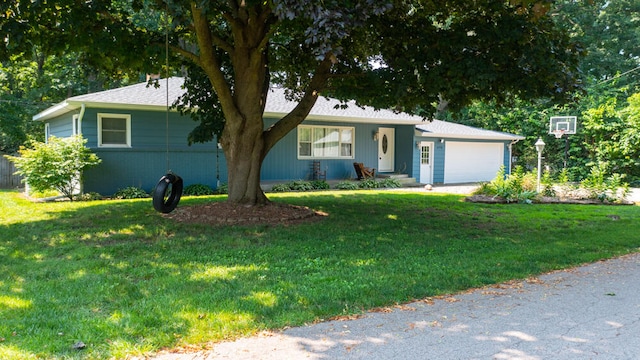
166,58
167,193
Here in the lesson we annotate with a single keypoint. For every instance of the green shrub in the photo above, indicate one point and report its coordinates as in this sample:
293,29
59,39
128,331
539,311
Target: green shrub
223,189
519,186
369,184
300,185
547,185
320,185
198,190
605,188
347,185
130,192
281,188
389,183
55,165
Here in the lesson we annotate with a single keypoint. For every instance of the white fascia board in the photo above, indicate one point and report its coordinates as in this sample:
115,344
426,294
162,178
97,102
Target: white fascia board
72,105
56,110
471,137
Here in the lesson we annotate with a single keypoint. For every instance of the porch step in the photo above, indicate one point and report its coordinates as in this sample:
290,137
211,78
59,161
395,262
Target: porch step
393,176
404,179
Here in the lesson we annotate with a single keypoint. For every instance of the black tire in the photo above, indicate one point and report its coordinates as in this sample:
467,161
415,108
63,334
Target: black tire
167,194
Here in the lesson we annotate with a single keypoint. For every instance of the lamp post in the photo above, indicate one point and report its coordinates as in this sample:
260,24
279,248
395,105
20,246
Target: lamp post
539,146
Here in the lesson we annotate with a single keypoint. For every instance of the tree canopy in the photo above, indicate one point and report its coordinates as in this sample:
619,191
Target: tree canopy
395,54
610,74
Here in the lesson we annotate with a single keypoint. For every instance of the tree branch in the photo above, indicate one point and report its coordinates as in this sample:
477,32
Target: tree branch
187,54
210,63
289,122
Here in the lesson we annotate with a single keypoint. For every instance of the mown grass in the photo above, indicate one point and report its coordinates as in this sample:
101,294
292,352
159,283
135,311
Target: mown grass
126,281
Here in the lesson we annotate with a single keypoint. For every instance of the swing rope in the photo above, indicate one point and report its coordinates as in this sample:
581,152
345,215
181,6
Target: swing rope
167,193
166,55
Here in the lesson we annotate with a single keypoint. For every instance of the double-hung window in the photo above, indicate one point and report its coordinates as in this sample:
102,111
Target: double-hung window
316,142
114,130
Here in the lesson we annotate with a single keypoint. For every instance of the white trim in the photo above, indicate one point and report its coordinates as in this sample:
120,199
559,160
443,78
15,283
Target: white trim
341,128
424,177
47,132
127,119
75,125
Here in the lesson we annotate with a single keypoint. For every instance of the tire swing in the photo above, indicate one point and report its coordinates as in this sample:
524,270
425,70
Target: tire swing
167,193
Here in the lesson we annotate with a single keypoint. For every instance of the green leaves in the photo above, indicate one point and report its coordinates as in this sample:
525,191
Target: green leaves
55,165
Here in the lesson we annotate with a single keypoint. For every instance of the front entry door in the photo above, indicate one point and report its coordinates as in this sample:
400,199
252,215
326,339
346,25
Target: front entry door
386,146
426,161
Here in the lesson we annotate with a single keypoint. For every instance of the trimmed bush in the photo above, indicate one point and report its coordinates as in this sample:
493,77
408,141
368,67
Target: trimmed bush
198,190
320,185
347,185
223,189
390,183
130,192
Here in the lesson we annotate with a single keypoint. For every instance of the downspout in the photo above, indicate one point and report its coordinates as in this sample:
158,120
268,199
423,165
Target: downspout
79,129
80,116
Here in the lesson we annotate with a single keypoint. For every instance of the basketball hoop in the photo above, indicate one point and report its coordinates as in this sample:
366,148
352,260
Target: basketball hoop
558,133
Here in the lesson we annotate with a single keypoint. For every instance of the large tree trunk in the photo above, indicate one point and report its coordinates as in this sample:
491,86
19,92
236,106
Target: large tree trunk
244,151
244,140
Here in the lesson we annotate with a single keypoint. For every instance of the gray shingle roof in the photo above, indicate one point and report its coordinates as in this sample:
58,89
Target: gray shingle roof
144,97
137,94
438,128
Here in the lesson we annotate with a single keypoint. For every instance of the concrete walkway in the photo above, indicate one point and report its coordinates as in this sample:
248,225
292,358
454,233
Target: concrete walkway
590,312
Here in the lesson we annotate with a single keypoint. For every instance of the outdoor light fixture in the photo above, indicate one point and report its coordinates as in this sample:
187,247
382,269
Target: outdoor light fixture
375,136
539,147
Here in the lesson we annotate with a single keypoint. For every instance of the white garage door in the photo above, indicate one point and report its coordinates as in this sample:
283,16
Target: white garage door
471,162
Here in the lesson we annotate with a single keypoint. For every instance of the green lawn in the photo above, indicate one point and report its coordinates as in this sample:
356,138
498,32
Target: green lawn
126,281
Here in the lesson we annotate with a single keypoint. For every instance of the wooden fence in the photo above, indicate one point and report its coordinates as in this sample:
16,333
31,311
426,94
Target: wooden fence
7,179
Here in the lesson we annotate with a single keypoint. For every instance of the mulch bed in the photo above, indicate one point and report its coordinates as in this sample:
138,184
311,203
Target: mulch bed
226,213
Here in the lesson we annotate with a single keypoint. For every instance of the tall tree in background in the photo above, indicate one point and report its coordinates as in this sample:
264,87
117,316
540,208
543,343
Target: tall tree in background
609,32
32,81
393,54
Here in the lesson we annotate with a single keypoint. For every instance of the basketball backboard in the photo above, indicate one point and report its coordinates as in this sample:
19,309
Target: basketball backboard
561,125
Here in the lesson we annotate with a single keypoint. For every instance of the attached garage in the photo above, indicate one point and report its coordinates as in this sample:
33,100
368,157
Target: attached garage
472,162
461,154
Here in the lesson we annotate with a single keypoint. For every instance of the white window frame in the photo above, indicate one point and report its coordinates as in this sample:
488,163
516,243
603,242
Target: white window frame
340,128
127,119
76,126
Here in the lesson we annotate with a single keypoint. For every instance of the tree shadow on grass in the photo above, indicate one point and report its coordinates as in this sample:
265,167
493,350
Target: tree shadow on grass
124,280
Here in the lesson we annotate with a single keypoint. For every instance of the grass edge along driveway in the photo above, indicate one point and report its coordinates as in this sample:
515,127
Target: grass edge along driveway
126,281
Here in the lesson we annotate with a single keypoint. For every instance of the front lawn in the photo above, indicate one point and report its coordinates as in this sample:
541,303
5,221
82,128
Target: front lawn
126,281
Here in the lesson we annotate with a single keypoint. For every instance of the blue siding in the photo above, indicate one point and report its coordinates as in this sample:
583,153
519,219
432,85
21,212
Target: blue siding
61,126
438,161
145,162
143,168
405,151
282,163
